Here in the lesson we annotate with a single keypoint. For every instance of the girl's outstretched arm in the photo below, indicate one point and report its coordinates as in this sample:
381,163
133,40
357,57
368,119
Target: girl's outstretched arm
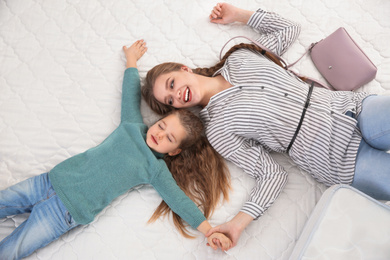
179,202
131,89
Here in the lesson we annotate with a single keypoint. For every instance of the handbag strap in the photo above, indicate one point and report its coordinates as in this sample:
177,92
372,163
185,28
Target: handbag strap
264,52
304,54
267,52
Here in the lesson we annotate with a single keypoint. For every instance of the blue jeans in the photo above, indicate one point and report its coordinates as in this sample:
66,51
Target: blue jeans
372,170
48,219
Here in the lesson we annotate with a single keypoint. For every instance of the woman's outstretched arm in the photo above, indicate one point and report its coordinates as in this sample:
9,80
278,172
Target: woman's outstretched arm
224,13
276,33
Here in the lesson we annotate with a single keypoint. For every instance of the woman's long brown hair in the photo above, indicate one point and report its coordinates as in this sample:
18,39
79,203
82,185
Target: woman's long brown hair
198,170
209,72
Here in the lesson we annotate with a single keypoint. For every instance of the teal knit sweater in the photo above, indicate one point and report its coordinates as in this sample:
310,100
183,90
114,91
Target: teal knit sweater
88,182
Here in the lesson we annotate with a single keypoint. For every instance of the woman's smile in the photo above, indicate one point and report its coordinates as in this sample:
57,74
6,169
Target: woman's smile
178,88
187,95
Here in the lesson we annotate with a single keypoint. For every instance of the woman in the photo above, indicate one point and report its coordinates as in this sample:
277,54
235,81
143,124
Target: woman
252,106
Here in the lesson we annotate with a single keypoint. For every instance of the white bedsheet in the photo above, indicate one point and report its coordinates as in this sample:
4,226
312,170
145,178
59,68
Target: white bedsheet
61,68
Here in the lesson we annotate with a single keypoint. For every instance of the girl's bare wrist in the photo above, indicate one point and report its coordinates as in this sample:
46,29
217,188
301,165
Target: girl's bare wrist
131,64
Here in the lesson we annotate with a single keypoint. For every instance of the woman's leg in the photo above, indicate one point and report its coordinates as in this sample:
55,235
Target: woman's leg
48,220
374,121
372,172
372,169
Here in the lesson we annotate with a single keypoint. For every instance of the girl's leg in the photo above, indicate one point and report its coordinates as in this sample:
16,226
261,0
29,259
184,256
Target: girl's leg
49,219
372,172
374,121
21,197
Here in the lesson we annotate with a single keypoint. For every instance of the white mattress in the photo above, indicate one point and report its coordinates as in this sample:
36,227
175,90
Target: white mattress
60,92
345,224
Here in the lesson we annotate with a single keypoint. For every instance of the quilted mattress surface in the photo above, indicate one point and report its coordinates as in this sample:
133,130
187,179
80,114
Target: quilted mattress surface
61,68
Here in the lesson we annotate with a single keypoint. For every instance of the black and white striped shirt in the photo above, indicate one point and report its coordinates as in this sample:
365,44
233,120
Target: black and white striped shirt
260,113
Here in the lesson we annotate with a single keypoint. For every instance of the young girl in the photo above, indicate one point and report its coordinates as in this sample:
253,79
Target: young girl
76,190
251,106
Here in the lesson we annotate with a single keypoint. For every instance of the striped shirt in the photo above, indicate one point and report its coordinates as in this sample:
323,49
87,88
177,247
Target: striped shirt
260,113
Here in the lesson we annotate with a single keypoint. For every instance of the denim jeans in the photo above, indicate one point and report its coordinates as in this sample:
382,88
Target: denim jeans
48,219
372,170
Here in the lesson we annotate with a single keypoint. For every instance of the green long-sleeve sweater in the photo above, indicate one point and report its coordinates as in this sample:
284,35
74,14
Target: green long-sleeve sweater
88,182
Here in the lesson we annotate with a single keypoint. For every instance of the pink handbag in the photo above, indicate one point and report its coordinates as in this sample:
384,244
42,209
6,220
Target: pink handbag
342,62
337,57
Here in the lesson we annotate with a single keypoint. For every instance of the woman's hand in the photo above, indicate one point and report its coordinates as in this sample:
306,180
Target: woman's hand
233,228
134,53
224,13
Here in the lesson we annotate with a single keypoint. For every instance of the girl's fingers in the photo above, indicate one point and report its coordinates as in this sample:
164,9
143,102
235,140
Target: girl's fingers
139,42
212,245
138,46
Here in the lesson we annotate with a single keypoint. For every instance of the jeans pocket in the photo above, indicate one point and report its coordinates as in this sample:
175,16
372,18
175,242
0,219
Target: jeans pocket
69,219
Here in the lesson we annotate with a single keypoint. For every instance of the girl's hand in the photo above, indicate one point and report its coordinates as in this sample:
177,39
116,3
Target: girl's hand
134,53
219,240
224,13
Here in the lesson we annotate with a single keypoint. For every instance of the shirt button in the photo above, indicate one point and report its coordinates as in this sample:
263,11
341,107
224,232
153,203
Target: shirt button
285,94
262,87
240,87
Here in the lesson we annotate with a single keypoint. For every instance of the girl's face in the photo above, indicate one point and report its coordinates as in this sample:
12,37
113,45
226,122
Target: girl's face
166,135
179,89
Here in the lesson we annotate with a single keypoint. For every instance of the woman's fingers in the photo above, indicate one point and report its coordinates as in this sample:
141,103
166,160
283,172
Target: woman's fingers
216,12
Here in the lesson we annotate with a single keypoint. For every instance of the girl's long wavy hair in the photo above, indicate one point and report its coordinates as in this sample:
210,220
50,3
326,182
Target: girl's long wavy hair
163,68
198,170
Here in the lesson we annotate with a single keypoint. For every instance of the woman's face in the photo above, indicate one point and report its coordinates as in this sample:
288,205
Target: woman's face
179,89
